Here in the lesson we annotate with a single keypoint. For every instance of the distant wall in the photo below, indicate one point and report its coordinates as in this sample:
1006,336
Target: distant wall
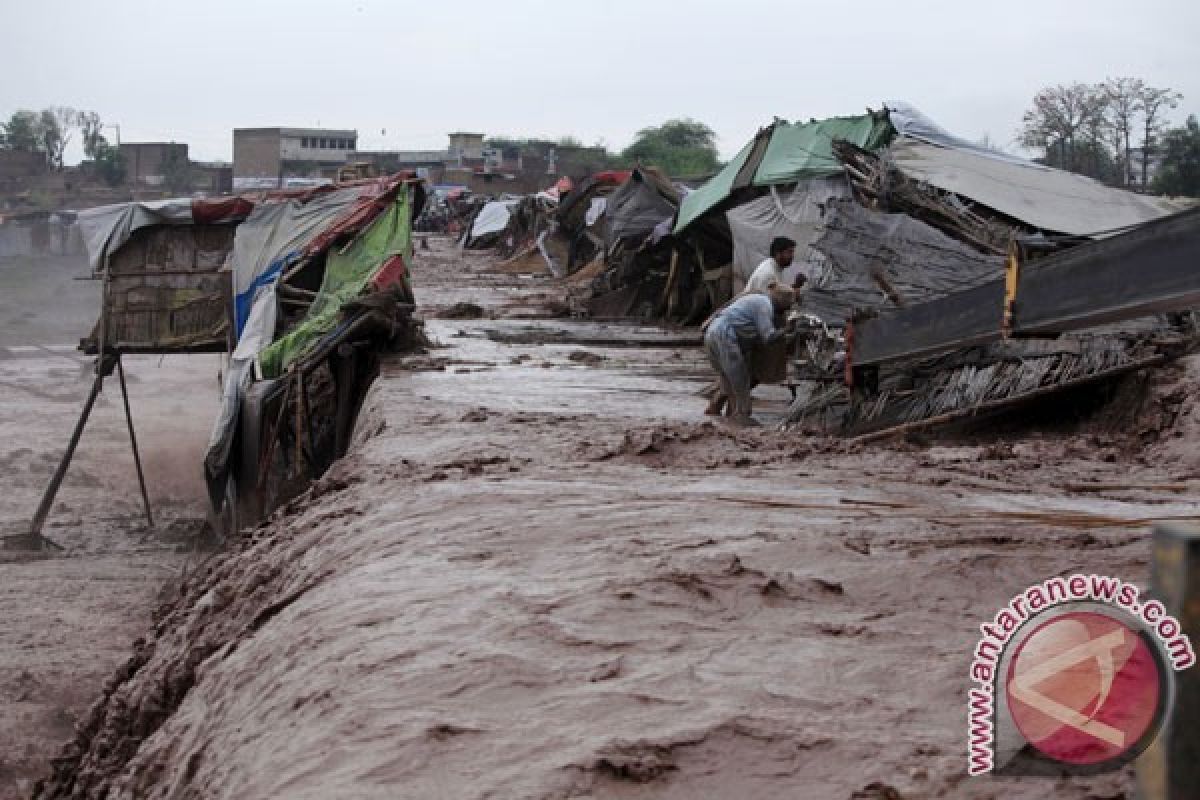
40,235
256,156
16,164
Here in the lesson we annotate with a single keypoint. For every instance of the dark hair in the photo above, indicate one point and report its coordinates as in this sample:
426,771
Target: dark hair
779,244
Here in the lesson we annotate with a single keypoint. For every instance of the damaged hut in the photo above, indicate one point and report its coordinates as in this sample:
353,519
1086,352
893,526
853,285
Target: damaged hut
581,218
638,253
300,288
888,211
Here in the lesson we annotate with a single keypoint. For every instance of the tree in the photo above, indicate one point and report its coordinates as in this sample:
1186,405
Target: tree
90,128
110,164
1061,119
1180,171
57,123
23,132
678,146
1123,98
1154,103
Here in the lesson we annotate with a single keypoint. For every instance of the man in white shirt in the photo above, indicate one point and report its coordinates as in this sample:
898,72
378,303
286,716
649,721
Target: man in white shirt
782,250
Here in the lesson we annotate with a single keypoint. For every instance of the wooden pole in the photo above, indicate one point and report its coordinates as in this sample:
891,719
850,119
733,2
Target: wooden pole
39,518
1170,767
137,459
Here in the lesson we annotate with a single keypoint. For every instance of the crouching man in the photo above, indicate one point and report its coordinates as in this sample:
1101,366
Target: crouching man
734,334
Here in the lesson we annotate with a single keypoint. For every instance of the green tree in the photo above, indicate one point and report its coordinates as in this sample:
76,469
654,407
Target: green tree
1123,98
110,164
57,123
1180,170
678,146
1066,124
1154,103
89,129
23,132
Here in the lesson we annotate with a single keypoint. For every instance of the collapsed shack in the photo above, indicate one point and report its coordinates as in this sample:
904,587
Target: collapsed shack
890,211
302,289
582,217
513,226
641,273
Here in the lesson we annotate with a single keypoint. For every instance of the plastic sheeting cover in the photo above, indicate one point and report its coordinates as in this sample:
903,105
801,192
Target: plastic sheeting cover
347,273
796,214
918,261
909,121
595,211
708,196
806,150
1048,199
493,218
273,236
106,228
795,152
639,206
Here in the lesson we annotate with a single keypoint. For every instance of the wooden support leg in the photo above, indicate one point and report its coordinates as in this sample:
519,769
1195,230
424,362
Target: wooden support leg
36,539
137,459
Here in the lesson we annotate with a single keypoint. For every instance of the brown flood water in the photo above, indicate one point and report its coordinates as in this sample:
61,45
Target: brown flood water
542,573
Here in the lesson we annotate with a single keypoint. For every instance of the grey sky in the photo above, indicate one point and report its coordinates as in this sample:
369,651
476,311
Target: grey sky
192,71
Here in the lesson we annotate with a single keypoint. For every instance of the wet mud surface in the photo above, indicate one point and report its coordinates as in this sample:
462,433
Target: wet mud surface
542,573
70,616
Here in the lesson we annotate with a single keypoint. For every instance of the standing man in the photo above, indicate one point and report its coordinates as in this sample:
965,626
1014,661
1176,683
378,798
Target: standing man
782,250
734,334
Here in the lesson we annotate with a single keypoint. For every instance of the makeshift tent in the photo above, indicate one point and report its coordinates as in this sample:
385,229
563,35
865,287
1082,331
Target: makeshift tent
796,214
492,219
348,273
277,235
639,205
290,235
785,153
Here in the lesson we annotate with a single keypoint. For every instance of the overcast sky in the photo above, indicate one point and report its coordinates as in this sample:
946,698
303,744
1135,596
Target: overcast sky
405,73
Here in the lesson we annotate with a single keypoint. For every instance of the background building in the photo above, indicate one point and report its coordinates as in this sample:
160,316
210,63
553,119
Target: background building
155,163
278,157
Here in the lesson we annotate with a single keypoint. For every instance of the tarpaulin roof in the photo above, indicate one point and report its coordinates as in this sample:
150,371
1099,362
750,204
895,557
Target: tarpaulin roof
492,218
1042,197
347,273
573,209
786,153
106,228
639,205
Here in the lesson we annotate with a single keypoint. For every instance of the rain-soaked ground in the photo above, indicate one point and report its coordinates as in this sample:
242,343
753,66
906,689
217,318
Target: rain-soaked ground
542,573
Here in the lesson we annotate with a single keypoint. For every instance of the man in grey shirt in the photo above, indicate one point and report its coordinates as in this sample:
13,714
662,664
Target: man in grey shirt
733,334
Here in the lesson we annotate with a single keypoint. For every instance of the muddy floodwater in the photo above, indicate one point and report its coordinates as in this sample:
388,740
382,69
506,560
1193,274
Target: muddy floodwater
540,573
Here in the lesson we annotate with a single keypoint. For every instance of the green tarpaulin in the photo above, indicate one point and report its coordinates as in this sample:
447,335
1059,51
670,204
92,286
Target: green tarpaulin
795,152
347,273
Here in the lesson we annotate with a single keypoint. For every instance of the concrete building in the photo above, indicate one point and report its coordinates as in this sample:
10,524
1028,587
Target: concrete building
466,149
277,157
149,163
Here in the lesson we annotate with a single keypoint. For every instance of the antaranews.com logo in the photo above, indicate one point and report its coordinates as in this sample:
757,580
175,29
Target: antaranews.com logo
1074,675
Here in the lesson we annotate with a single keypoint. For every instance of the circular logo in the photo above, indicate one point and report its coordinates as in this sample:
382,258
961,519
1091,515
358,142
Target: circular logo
1085,688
